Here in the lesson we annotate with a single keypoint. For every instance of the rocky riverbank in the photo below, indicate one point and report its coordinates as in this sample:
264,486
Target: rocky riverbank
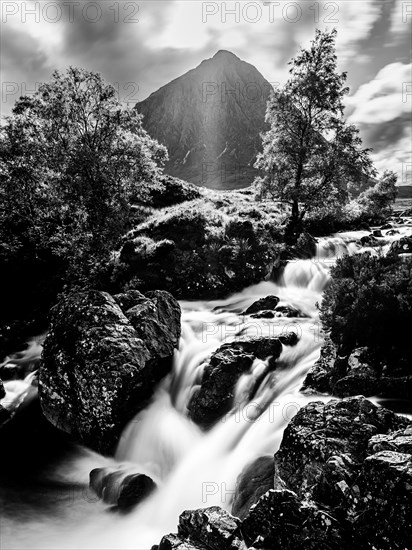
342,478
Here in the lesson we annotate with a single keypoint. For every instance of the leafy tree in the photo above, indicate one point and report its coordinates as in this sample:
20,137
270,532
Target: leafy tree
72,160
376,202
310,153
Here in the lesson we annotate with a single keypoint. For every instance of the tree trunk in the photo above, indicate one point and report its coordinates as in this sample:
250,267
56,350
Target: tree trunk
294,227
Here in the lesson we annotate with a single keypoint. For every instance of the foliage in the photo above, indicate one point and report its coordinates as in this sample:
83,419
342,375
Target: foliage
200,248
311,155
369,303
71,159
376,202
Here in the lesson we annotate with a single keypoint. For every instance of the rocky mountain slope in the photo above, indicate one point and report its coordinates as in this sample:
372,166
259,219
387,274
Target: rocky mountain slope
210,119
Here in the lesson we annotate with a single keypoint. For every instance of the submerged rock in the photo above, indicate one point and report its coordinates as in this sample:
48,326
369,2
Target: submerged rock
121,488
215,396
102,359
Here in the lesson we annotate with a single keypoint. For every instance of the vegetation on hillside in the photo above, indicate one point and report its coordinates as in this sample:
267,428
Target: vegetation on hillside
207,247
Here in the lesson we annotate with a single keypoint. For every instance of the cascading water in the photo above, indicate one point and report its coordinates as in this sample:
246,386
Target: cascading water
193,469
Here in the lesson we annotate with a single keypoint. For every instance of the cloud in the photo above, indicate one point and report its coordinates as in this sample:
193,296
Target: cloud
385,98
381,109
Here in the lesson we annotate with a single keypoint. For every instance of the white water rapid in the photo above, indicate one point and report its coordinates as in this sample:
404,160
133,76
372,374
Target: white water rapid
193,469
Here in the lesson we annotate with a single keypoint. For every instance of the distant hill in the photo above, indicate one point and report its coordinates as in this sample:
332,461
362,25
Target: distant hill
210,119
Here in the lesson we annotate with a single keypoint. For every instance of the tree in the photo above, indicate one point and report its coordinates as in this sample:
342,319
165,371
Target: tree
377,201
310,153
72,160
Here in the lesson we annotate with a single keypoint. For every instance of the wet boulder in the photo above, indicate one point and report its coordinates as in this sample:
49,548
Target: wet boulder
369,240
268,303
281,520
401,246
120,487
102,359
214,398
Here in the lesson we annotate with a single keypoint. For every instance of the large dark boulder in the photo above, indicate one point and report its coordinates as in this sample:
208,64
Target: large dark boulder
215,396
120,487
102,359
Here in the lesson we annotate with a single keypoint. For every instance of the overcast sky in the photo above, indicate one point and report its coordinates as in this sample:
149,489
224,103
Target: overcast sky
143,45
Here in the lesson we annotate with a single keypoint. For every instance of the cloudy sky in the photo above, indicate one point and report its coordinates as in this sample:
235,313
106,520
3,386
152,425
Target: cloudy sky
142,45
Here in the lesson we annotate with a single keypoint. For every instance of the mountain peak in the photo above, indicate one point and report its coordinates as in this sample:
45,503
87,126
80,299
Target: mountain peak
225,53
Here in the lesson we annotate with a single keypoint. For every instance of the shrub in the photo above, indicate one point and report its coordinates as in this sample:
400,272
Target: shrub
369,303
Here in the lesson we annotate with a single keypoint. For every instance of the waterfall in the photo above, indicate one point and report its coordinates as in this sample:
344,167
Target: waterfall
192,468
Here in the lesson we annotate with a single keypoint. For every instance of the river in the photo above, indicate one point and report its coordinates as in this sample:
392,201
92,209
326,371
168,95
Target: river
50,506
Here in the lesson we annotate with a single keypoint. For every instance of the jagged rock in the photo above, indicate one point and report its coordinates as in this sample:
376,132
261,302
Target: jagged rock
324,444
280,520
102,360
120,487
399,441
174,542
319,377
213,527
406,213
226,365
355,374
386,226
383,512
255,480
377,233
392,232
268,303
